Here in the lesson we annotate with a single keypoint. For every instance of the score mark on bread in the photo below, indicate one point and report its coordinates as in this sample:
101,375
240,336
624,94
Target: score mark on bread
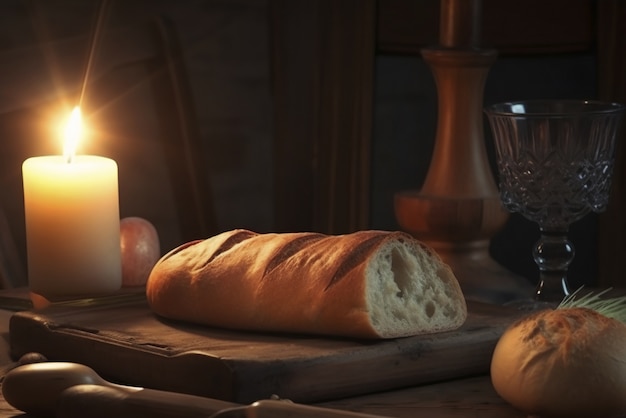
368,284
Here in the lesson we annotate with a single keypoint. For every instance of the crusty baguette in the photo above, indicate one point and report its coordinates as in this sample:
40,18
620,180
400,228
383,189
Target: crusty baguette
368,284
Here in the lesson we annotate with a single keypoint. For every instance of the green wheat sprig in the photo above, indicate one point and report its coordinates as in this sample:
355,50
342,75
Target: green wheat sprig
614,307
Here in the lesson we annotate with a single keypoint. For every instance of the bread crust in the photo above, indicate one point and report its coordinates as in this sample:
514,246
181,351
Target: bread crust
563,363
288,282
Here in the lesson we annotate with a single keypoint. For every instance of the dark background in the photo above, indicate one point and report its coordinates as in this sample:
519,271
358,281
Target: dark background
227,48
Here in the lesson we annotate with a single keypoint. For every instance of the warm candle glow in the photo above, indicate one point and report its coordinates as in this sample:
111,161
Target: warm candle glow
72,220
73,131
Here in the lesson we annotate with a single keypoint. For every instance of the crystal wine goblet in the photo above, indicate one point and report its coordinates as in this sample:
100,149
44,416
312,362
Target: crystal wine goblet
555,160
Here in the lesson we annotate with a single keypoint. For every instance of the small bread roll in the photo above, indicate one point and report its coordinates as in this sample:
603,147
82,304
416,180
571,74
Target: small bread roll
563,363
367,284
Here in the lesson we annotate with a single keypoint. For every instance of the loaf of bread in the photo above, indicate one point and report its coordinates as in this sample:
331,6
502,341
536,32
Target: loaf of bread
563,363
368,284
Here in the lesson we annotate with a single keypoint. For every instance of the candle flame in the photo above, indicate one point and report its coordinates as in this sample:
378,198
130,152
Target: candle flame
73,131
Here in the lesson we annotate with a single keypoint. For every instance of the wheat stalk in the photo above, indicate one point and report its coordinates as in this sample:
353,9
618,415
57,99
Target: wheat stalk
614,307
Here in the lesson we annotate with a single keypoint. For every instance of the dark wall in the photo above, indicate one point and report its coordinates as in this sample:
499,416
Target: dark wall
226,48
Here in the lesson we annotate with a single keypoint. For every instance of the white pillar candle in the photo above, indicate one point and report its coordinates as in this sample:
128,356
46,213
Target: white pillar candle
72,225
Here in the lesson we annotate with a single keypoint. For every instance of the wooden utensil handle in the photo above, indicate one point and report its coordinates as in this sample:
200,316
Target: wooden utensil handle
105,401
99,401
285,409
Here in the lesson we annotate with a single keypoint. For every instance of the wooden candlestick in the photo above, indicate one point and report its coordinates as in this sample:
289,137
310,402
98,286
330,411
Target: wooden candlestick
458,209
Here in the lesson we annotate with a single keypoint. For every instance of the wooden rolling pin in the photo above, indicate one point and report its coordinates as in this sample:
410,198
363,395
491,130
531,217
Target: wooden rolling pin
70,390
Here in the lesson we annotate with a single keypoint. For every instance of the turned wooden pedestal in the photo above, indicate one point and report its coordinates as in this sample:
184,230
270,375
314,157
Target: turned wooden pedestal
458,208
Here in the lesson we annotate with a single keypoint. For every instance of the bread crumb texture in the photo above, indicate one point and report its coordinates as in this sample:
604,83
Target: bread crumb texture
411,291
563,363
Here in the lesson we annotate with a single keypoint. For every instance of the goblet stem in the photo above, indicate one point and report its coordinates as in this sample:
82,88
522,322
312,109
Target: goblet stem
553,254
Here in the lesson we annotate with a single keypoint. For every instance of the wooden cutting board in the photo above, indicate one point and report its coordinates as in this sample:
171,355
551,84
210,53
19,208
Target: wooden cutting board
126,343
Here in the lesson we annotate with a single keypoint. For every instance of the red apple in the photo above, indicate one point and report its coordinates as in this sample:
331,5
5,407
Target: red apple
141,250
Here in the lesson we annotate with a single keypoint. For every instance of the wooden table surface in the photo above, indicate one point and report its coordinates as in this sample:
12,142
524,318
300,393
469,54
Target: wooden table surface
467,397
